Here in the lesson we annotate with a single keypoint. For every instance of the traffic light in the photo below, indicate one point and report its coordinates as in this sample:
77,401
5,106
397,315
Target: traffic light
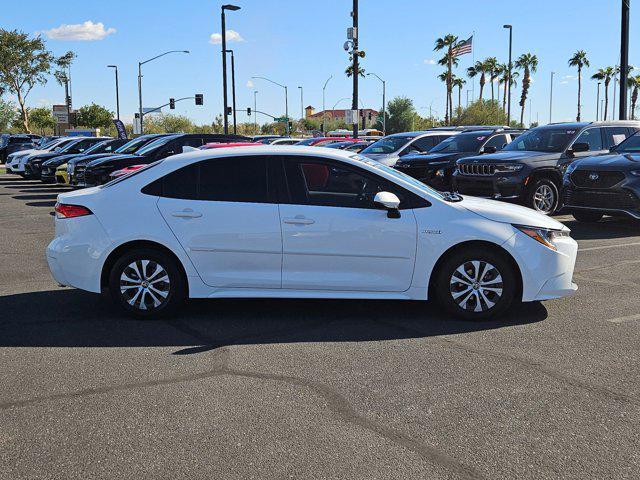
172,103
249,111
68,100
199,99
229,110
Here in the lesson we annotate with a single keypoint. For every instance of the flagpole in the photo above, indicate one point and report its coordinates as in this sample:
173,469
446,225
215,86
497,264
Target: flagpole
473,60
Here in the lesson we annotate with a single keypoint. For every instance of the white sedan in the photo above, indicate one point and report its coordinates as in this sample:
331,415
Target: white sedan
302,222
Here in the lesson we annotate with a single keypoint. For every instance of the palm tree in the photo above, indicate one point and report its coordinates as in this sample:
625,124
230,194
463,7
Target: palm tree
579,60
504,78
634,85
605,75
492,65
528,63
449,42
443,78
459,82
499,72
479,68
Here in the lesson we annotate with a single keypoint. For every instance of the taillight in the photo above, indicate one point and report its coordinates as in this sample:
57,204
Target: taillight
71,211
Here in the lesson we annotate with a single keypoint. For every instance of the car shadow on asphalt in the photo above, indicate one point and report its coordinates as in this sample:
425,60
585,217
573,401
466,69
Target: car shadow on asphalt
73,318
607,228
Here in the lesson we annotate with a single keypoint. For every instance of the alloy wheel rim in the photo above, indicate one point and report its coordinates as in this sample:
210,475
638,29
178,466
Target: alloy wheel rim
476,286
145,284
544,198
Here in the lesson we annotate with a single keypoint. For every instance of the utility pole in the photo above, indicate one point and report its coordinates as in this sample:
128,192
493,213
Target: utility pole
356,69
224,64
551,97
301,104
233,89
510,68
323,107
598,103
624,57
255,112
117,91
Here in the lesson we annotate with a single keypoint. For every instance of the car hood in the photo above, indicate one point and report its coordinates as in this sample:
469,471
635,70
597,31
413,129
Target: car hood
610,162
59,160
113,158
87,158
25,153
41,157
514,156
508,213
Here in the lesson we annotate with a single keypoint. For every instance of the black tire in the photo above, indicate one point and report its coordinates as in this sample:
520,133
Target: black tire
150,302
452,295
587,217
543,188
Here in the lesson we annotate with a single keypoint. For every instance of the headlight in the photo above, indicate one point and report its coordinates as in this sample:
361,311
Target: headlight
635,173
508,168
544,236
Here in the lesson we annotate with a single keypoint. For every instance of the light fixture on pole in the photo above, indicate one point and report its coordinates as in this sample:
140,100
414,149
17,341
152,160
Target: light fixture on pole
286,100
384,102
510,69
117,91
140,112
323,108
231,8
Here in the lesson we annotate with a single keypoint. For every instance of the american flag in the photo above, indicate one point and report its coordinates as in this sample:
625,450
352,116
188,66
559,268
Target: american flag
464,47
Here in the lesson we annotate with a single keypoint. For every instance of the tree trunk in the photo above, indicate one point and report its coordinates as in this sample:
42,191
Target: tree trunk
579,91
634,100
492,96
504,100
482,82
606,100
24,112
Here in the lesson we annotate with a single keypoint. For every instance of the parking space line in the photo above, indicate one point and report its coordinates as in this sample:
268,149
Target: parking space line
629,318
605,247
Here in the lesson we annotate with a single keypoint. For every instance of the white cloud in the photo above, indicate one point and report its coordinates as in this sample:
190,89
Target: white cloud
249,84
430,61
232,36
80,31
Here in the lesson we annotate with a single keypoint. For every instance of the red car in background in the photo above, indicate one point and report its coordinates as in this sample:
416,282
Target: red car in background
321,141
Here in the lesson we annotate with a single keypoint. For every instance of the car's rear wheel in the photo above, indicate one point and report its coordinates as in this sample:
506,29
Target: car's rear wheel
147,283
587,217
476,284
543,196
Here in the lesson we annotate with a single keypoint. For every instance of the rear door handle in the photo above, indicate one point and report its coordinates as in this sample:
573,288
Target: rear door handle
299,220
186,213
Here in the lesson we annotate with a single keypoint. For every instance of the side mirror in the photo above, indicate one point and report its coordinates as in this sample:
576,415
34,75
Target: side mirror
489,149
188,148
389,202
579,147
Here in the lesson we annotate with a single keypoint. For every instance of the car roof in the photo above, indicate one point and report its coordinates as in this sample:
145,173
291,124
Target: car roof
611,123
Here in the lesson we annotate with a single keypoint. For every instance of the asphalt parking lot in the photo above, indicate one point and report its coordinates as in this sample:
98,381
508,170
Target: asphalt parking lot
315,389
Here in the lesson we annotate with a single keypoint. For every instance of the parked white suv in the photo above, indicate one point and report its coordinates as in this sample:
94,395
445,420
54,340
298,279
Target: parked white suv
301,222
16,161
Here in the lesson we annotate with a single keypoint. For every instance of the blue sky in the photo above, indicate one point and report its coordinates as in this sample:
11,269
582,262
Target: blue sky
299,43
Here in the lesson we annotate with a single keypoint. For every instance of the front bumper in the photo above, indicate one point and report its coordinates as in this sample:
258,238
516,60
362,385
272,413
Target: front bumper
621,199
495,186
47,175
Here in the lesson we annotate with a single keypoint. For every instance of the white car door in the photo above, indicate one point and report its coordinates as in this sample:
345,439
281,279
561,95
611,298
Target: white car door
227,220
333,236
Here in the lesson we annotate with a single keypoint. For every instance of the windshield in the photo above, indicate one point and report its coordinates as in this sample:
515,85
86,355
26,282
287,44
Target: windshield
543,140
132,146
99,147
630,145
387,145
465,142
155,144
70,147
396,173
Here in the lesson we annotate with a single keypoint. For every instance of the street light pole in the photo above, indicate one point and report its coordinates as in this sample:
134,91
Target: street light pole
255,112
117,91
286,99
301,105
140,82
232,8
598,103
356,68
233,88
323,108
624,58
384,102
551,97
510,68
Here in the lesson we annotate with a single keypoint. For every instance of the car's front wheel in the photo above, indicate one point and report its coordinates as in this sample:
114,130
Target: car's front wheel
146,283
587,217
476,284
543,196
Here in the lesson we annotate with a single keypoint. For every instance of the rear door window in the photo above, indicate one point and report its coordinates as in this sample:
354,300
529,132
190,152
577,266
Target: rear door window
615,135
424,144
592,137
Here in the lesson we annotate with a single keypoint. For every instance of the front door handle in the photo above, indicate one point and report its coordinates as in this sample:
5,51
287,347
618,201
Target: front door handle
186,213
299,220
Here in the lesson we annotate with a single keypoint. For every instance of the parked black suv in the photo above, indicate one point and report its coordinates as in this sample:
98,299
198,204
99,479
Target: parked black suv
436,166
14,143
605,185
529,170
33,167
98,171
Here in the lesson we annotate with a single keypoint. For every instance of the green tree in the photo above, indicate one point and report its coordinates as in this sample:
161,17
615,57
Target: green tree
504,79
7,114
94,116
493,70
634,84
459,83
401,115
605,75
24,63
528,63
448,43
483,112
42,118
579,60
